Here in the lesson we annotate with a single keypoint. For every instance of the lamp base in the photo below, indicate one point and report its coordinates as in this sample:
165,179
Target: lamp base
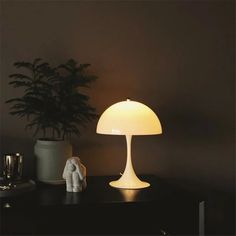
120,183
129,179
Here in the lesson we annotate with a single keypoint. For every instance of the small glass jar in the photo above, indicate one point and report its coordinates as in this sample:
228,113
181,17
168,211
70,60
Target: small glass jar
12,166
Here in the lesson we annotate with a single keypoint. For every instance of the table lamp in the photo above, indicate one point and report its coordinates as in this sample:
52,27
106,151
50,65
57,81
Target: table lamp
129,118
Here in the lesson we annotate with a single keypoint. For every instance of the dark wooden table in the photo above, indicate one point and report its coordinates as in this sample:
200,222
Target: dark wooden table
101,209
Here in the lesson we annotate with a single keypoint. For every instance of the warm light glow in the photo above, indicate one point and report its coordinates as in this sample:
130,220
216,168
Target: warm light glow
129,195
129,118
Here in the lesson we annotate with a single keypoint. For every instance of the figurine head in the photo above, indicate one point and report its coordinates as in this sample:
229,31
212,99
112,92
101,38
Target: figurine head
72,164
71,167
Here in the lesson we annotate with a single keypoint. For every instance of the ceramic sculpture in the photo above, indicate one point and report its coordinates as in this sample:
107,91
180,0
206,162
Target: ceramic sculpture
75,175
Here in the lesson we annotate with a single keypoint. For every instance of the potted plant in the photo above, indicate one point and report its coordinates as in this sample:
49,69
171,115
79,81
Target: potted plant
55,107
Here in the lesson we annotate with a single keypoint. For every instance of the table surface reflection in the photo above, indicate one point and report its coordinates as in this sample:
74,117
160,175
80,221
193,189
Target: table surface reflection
98,191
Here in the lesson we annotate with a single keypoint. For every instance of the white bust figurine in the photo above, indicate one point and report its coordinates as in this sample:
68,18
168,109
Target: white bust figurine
75,175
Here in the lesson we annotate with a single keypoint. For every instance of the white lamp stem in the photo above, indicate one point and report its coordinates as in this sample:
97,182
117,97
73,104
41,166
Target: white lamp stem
129,179
129,170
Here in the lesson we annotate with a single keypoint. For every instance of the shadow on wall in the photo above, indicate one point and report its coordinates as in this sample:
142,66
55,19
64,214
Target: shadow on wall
22,145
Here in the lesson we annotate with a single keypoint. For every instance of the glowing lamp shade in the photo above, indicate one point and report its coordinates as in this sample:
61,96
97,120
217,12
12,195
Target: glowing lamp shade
129,118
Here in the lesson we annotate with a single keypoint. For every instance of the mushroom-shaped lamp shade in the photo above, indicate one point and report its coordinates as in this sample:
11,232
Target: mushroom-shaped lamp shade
129,118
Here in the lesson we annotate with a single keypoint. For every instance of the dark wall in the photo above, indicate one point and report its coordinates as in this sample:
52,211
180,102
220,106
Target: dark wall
176,57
